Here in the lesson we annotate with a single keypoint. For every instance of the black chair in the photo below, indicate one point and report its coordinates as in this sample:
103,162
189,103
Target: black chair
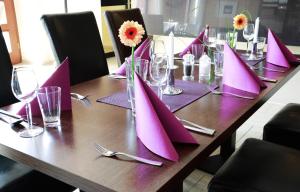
284,127
259,166
14,176
114,20
6,94
76,35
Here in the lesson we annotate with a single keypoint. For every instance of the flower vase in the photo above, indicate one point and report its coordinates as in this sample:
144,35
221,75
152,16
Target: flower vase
141,67
231,39
130,84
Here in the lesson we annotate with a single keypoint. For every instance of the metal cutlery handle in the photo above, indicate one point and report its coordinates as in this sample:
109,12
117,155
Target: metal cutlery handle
275,70
232,94
18,117
208,130
196,129
267,79
9,114
116,76
147,161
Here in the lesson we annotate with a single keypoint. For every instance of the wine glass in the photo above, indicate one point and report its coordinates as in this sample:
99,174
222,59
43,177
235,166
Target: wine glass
248,34
24,85
156,47
158,71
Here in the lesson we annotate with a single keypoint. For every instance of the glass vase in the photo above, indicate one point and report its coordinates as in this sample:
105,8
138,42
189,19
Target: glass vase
231,39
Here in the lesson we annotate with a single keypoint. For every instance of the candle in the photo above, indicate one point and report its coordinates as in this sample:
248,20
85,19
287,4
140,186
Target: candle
256,28
171,50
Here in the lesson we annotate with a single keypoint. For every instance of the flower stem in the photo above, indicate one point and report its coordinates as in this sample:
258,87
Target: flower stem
132,63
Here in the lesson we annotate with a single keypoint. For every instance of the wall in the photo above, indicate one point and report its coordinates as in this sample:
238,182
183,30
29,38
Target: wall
34,42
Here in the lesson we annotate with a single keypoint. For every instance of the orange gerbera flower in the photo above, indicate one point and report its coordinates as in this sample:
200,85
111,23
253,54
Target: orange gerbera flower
240,21
131,33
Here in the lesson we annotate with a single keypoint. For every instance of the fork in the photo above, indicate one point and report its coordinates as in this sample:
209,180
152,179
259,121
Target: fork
78,96
228,93
108,153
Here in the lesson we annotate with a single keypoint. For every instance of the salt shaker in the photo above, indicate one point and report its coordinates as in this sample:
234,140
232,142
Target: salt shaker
188,67
204,67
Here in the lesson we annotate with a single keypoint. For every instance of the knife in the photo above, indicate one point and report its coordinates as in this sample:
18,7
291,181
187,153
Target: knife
3,112
10,114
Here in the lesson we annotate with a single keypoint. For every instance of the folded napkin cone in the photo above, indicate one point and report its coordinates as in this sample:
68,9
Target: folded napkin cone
156,125
197,40
142,51
278,53
61,78
238,75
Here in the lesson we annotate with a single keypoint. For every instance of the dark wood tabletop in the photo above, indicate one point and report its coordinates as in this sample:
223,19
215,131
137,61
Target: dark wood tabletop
68,153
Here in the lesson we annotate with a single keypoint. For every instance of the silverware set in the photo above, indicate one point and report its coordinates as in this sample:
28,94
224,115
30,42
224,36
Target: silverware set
108,153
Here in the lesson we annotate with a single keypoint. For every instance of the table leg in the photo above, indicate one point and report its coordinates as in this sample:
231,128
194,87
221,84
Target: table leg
174,187
213,163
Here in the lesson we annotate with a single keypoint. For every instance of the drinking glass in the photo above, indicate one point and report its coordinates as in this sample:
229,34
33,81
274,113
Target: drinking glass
218,60
248,34
261,41
220,41
49,99
158,71
24,85
157,47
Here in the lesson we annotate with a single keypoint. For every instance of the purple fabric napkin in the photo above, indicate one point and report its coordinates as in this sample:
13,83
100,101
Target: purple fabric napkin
60,78
277,52
142,51
197,40
238,75
156,125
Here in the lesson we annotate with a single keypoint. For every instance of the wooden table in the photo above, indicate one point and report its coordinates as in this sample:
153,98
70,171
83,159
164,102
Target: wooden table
68,154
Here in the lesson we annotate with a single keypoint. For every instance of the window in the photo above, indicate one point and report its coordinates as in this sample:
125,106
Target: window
9,27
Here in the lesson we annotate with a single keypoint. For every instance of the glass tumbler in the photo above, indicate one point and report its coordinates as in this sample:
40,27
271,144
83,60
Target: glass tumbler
49,99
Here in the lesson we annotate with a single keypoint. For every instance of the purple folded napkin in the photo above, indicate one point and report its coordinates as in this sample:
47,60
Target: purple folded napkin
278,53
238,75
142,51
156,125
197,40
60,77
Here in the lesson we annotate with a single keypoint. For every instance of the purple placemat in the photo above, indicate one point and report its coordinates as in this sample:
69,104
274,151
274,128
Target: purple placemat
191,92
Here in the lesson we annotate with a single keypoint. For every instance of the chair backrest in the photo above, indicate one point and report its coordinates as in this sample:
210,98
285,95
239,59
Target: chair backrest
6,95
76,35
114,20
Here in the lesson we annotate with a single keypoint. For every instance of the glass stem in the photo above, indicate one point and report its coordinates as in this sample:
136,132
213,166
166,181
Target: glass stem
29,115
248,51
159,92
